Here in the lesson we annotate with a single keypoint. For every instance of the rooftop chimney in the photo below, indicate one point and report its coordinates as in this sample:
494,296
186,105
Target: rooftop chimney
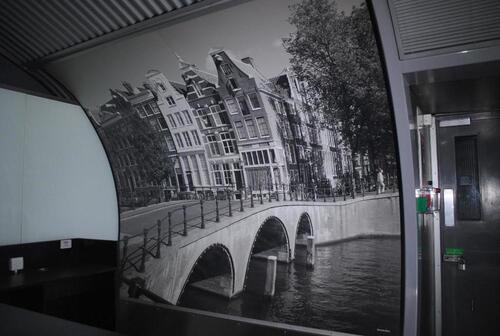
248,60
128,87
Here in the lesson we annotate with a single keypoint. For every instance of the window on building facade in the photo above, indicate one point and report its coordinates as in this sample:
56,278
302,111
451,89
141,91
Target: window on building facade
243,105
162,123
213,144
170,143
187,139
228,142
205,118
197,89
228,176
240,129
196,169
291,153
301,152
216,169
266,157
231,106
161,87
233,84
148,109
297,131
288,130
252,130
254,100
220,116
262,124
179,119
226,68
171,121
260,157
272,102
187,117
178,138
279,106
273,155
156,110
140,111
196,138
170,100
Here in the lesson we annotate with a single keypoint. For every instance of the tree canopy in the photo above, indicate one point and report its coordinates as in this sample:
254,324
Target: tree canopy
145,143
336,55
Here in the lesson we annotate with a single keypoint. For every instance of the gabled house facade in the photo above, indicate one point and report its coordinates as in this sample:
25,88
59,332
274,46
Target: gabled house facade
191,164
221,148
251,104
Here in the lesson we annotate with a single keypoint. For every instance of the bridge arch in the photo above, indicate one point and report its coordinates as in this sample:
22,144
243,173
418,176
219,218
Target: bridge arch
212,272
271,239
304,229
305,226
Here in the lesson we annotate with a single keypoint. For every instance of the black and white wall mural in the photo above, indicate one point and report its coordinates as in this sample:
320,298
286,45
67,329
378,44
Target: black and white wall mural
253,153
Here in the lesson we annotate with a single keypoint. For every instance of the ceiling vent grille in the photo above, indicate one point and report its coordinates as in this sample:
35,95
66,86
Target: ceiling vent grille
31,30
437,26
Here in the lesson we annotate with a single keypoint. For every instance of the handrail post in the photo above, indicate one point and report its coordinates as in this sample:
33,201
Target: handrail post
169,242
324,194
158,241
241,200
142,268
184,232
217,218
333,194
394,183
260,190
343,190
202,224
229,202
269,191
284,192
251,198
277,193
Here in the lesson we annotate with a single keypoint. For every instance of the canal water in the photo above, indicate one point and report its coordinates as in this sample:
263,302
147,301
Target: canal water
354,287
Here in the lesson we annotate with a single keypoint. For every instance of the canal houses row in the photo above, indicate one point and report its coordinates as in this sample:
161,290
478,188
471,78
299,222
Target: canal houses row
234,129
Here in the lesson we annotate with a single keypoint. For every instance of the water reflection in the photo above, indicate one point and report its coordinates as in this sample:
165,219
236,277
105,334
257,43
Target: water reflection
354,287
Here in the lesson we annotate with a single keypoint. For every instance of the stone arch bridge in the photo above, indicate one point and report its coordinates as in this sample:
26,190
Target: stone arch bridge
277,228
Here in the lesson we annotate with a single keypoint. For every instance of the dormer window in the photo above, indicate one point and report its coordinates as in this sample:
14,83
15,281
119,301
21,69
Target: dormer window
162,87
233,84
197,89
170,101
226,69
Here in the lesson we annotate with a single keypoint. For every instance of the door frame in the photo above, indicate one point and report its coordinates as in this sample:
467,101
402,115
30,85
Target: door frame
429,121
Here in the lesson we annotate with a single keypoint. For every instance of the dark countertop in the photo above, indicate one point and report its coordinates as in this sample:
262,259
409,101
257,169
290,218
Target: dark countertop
28,278
19,322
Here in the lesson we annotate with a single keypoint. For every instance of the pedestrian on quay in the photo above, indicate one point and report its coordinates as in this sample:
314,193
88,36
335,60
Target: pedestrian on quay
380,181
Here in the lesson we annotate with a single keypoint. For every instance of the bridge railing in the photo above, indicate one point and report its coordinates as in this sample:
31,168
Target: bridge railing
216,202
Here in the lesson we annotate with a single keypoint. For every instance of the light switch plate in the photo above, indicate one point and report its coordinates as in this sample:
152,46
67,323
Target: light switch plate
16,264
65,244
